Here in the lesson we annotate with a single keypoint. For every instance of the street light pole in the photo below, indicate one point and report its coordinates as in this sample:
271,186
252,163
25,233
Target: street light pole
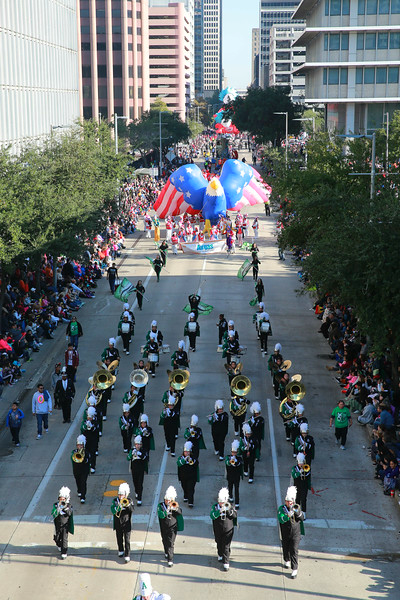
287,133
116,117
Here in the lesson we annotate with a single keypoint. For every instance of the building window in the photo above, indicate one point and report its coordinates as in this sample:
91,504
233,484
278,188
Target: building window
130,46
370,41
343,76
100,14
86,71
116,12
131,91
333,77
382,41
129,30
102,70
325,41
87,91
117,71
117,91
381,75
140,93
116,28
334,41
84,13
359,75
101,46
139,71
394,41
87,112
119,110
361,7
131,113
85,46
345,41
117,46
100,29
384,7
139,47
360,41
393,75
85,29
395,7
139,30
130,72
102,91
325,77
372,7
369,75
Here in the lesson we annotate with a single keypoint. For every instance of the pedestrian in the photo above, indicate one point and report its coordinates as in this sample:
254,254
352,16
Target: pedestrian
63,520
341,416
41,409
234,472
112,276
174,243
224,518
255,262
222,328
56,376
163,252
255,227
259,290
71,361
14,421
121,509
74,331
139,293
171,521
291,519
157,265
64,393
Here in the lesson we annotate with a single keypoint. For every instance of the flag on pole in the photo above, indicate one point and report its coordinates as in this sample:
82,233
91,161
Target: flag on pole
204,309
244,269
253,301
124,290
151,261
245,246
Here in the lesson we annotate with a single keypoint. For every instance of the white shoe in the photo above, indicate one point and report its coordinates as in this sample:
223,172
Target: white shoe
246,474
304,515
216,452
127,559
82,500
120,553
221,458
38,437
294,574
220,558
287,564
343,447
104,418
64,556
139,503
125,450
127,352
250,480
93,470
226,567
170,563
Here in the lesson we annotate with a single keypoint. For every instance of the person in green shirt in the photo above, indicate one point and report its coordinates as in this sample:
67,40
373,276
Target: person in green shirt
341,416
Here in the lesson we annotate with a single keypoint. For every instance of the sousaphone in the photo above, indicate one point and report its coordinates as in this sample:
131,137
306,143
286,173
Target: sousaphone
295,390
285,366
178,378
286,411
240,385
102,379
139,378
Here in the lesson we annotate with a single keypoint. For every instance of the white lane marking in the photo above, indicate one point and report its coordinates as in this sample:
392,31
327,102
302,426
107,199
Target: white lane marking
277,483
202,270
158,490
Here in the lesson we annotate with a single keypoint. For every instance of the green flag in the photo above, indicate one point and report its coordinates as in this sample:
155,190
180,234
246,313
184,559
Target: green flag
204,309
151,261
245,246
253,301
244,269
124,290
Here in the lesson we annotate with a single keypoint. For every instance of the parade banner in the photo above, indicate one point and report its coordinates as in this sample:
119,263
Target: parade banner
244,269
124,290
203,308
203,247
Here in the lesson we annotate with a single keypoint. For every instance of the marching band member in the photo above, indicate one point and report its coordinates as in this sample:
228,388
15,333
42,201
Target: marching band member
135,399
125,330
234,472
219,428
265,329
295,423
80,459
169,419
174,243
257,316
90,429
179,359
192,330
255,262
63,520
224,518
260,291
157,266
273,365
188,473
238,407
138,466
121,509
140,290
256,423
146,433
194,301
126,425
194,434
230,346
146,590
163,249
111,351
283,381
287,413
301,479
248,450
171,521
291,519
233,368
71,361
231,329
305,443
174,396
222,328
151,351
131,317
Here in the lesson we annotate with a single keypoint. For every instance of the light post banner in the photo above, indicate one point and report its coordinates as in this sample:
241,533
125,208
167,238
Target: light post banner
203,247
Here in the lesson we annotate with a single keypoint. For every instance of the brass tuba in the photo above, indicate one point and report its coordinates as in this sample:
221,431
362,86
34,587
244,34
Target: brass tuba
295,390
139,378
92,392
287,412
240,385
102,379
78,456
178,379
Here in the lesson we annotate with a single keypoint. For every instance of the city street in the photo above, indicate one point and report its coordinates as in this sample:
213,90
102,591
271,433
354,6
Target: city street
350,550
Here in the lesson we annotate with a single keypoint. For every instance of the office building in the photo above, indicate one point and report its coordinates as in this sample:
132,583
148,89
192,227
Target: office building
285,60
114,58
272,12
255,56
352,60
39,76
208,47
169,31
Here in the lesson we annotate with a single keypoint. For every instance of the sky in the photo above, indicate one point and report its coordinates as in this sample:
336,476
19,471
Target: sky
238,19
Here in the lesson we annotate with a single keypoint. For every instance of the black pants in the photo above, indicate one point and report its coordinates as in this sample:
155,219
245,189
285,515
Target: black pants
255,273
168,536
92,449
15,434
127,438
264,341
61,538
219,444
287,430
234,483
192,339
71,372
125,340
139,299
238,421
123,538
248,465
66,409
188,486
290,547
137,478
158,271
301,497
170,433
341,434
223,540
81,483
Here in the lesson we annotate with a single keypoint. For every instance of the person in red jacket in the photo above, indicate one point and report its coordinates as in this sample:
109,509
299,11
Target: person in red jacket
71,361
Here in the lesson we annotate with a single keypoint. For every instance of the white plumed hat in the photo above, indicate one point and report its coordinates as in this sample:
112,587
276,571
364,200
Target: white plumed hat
144,418
223,495
81,440
124,489
231,322
219,404
126,314
246,428
92,400
194,420
112,341
163,597
291,493
299,409
181,344
192,315
301,458
278,347
154,323
65,492
138,439
261,305
304,427
126,306
126,407
255,408
91,411
145,584
170,493
188,446
235,445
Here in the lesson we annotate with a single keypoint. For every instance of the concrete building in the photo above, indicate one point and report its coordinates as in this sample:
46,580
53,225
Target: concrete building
39,79
352,60
284,60
208,46
272,12
114,58
169,53
255,56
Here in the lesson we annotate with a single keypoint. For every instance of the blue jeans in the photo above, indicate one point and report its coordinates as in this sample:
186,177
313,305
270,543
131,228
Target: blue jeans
74,340
42,419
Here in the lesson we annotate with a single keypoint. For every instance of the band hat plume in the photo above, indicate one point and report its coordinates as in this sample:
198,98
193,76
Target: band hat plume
138,440
300,409
291,493
144,418
126,314
304,428
194,420
181,345
235,445
255,408
218,405
125,407
301,459
223,495
231,323
188,447
153,335
163,597
145,584
124,489
170,493
81,440
92,400
64,492
91,411
246,429
278,347
154,323
192,315
126,306
112,341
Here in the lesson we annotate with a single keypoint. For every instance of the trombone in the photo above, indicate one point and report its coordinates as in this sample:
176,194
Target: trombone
123,503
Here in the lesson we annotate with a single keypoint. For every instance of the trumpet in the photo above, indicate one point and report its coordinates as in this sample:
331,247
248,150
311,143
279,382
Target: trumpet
189,460
192,432
78,456
123,503
224,509
61,505
305,469
233,461
174,505
88,425
145,432
134,454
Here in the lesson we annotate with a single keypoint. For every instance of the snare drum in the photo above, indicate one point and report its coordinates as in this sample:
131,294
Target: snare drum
153,357
219,348
166,349
264,327
242,350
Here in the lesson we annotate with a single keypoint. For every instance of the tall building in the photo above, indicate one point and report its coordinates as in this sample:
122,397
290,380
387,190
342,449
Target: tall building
285,60
114,38
255,56
39,76
352,60
170,56
272,12
208,46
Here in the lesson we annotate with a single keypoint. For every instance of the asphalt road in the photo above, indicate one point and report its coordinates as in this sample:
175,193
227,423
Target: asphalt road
350,550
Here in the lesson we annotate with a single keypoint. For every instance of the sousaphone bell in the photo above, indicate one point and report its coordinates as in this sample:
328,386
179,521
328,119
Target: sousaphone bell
102,379
295,390
139,378
178,378
240,385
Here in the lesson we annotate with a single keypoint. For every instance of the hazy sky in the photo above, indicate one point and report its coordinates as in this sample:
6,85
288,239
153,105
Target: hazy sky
238,19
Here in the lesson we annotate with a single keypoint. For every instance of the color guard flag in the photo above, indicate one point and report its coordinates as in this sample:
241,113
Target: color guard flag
244,269
124,290
204,309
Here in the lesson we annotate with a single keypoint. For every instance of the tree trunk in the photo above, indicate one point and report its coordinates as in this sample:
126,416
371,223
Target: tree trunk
2,293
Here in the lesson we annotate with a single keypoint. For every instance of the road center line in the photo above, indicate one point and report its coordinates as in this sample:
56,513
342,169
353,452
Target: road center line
277,483
158,490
